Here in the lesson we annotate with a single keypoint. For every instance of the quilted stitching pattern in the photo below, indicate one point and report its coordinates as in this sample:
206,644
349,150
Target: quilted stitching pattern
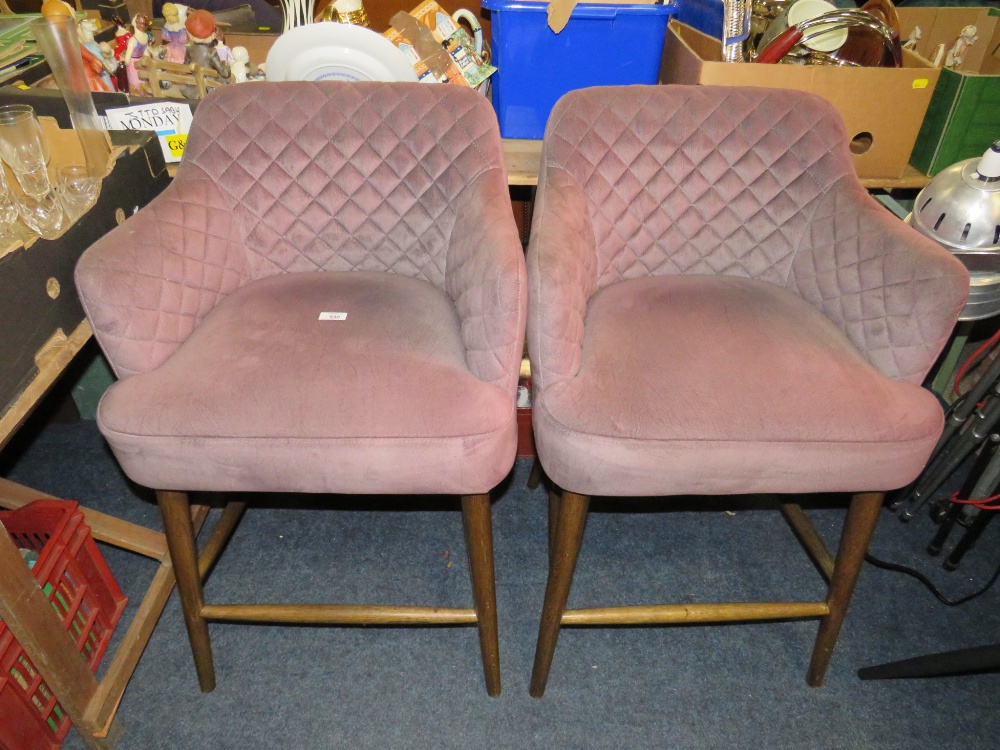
149,282
758,183
356,180
290,177
486,280
893,292
563,253
696,179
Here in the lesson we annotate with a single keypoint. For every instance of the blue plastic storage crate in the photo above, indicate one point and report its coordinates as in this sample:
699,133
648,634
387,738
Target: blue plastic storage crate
602,45
704,15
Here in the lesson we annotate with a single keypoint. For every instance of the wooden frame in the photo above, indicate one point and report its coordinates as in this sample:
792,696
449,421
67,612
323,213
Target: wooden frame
193,566
91,705
153,72
567,518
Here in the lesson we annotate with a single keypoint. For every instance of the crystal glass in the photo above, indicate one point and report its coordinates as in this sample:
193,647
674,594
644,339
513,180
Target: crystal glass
8,212
58,38
24,148
76,189
42,213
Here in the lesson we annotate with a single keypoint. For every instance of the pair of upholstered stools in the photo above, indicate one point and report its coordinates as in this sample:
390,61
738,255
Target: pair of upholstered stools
331,297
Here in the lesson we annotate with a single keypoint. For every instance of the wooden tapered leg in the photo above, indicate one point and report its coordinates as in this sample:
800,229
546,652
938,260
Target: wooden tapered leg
553,519
858,527
176,511
479,543
572,517
535,477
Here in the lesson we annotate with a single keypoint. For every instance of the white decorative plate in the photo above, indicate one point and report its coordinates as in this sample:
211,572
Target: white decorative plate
329,51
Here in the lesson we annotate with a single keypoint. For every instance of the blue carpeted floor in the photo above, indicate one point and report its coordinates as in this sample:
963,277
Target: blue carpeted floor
734,686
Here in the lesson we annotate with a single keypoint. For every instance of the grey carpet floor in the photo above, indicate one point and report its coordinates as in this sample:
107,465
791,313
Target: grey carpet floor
731,686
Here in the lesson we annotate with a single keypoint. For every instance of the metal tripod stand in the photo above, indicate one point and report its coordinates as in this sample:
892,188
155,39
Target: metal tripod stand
971,424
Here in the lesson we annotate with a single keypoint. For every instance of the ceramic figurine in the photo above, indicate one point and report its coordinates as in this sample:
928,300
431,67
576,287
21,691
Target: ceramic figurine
93,65
965,40
938,57
201,29
86,30
138,47
110,63
174,35
915,36
239,66
120,73
225,54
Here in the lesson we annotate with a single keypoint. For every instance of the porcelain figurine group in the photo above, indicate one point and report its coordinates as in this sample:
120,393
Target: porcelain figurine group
187,36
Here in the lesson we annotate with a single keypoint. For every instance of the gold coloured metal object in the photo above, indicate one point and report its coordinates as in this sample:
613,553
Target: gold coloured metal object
763,13
350,11
832,21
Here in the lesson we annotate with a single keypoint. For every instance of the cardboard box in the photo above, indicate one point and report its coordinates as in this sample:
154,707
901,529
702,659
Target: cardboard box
963,117
37,294
882,108
437,46
257,44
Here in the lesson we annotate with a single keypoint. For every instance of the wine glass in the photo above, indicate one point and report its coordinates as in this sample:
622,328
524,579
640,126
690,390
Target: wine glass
24,148
77,189
43,213
8,212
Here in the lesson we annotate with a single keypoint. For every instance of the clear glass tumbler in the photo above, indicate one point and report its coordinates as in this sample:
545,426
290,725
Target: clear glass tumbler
24,148
8,212
77,189
42,213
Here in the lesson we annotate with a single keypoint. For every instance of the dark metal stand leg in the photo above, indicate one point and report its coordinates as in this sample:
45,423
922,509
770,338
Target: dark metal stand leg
953,452
944,530
963,661
954,510
969,539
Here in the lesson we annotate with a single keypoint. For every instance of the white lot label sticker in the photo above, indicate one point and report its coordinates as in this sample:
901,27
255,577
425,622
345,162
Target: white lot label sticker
332,316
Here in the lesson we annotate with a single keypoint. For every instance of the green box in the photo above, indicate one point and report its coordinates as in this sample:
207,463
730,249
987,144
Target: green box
963,117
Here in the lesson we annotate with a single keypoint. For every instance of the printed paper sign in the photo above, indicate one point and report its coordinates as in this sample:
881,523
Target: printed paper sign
169,120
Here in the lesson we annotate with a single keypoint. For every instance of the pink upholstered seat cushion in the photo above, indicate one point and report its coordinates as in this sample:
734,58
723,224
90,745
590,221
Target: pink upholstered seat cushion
264,396
722,385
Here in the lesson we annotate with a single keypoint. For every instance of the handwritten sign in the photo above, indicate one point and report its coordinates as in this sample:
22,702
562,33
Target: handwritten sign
169,120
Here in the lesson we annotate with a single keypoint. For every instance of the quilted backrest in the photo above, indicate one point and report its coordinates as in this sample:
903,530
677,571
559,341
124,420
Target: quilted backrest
339,176
696,179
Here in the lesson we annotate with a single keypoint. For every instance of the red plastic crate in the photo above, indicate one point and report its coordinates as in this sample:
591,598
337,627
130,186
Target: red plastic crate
85,597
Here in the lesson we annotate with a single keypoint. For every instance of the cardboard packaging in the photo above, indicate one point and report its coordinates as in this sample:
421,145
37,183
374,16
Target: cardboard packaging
963,117
439,49
882,108
37,295
257,44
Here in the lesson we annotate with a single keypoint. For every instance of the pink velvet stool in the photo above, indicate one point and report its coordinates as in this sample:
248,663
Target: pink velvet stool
717,307
329,298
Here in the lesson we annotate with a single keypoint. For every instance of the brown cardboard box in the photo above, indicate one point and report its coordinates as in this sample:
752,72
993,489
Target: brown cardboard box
963,118
882,108
257,44
37,294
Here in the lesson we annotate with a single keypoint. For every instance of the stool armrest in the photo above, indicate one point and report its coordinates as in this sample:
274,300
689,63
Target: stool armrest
485,277
895,293
563,252
147,283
